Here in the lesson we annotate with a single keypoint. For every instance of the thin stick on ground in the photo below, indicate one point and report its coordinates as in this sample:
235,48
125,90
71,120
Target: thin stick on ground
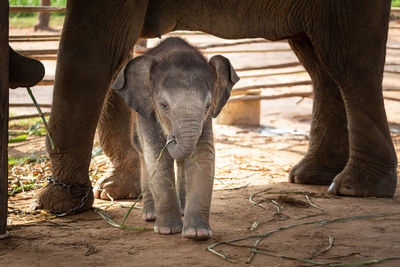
317,251
313,205
351,264
319,223
251,199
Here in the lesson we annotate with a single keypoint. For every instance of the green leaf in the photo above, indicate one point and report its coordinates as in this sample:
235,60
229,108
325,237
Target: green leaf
18,139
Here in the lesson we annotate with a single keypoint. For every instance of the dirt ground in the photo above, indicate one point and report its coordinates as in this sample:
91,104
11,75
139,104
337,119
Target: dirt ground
252,164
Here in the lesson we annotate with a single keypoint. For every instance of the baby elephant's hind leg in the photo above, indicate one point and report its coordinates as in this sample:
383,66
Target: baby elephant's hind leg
115,132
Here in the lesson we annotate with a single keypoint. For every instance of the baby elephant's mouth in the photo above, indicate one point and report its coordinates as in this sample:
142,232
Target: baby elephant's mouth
178,150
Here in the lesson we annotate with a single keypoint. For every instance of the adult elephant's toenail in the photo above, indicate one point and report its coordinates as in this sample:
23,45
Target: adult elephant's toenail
332,188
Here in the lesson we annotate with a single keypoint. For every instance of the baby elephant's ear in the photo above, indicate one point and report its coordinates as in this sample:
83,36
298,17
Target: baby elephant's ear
226,78
133,85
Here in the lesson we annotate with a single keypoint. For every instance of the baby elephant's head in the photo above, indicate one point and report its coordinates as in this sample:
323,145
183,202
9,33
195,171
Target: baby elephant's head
181,90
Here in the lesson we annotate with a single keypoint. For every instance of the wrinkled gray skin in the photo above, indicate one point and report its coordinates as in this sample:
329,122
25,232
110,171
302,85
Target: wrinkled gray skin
341,43
175,92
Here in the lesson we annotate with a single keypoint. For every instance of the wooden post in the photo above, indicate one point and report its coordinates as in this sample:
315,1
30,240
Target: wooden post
243,113
43,18
3,117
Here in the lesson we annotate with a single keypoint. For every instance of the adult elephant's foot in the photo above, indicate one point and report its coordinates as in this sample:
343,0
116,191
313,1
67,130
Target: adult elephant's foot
60,198
122,183
316,170
198,229
363,180
167,224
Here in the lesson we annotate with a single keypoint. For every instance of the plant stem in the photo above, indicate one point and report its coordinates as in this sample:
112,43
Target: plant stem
53,145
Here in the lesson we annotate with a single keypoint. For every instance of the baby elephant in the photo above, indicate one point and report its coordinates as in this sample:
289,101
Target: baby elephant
176,91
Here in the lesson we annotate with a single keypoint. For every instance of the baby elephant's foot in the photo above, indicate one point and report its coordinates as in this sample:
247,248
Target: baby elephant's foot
167,225
149,213
119,185
364,181
197,229
313,171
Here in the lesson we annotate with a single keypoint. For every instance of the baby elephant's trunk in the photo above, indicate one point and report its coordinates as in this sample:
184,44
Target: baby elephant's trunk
185,138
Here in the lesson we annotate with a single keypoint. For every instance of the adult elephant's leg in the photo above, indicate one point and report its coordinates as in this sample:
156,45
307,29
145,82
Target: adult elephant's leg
115,132
353,52
328,149
96,39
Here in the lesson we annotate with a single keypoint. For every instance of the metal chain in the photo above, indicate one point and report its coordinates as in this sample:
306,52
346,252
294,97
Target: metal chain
88,191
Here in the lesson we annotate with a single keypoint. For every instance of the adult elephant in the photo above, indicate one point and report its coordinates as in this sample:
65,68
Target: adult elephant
341,44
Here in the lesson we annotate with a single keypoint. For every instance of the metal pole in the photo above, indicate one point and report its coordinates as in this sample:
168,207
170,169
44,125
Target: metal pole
3,117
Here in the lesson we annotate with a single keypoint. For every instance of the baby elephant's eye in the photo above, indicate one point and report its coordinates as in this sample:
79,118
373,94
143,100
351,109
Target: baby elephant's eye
207,107
163,105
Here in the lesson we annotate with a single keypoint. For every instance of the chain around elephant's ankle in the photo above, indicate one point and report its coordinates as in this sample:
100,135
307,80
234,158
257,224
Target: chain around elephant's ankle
85,195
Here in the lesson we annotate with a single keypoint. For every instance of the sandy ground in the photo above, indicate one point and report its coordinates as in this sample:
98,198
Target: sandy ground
252,162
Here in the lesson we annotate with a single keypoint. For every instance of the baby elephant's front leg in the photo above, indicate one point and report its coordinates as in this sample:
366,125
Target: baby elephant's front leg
199,184
166,203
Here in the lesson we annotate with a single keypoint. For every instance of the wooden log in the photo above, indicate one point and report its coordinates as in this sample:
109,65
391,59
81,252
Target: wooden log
22,117
3,117
272,74
34,52
395,11
242,90
28,105
392,47
391,98
247,51
385,89
232,44
34,40
45,57
46,82
265,97
33,36
237,51
285,95
274,66
24,9
392,71
175,33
